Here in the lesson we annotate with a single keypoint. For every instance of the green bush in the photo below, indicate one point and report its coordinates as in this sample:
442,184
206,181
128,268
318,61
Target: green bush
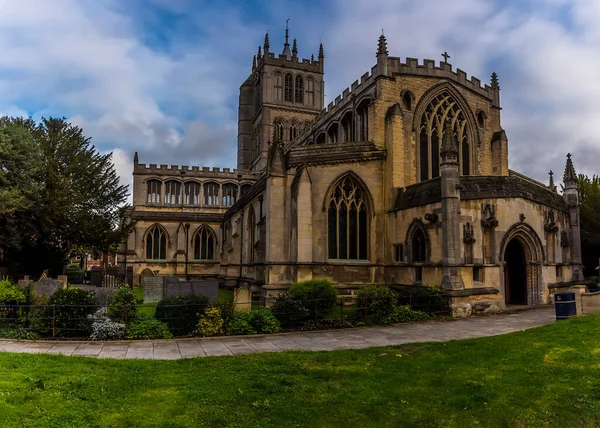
19,333
69,307
148,328
210,323
253,322
312,299
227,310
122,306
265,322
11,297
181,313
241,324
430,298
406,314
75,274
375,303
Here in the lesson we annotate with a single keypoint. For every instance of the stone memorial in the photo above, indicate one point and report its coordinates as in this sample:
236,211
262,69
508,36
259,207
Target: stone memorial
242,299
62,280
153,288
46,287
206,288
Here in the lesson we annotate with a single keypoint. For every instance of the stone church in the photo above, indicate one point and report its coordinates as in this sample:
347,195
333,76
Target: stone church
402,180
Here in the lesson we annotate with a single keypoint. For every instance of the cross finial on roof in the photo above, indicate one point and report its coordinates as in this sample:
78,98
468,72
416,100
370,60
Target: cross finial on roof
446,56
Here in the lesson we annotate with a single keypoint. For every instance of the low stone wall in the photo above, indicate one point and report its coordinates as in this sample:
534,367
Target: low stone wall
586,303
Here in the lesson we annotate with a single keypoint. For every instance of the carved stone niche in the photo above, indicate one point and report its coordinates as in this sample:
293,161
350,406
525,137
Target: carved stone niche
488,216
468,233
550,225
564,239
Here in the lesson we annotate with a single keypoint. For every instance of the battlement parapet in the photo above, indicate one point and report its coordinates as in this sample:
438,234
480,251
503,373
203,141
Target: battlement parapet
428,68
305,64
192,171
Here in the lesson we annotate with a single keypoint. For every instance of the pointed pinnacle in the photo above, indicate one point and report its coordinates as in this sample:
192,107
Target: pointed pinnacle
254,62
267,45
382,46
321,53
569,176
259,53
494,81
294,48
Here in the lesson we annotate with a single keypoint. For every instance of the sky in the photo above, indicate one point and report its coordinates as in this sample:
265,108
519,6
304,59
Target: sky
161,77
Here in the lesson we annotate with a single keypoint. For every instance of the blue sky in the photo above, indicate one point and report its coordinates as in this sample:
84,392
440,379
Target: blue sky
161,77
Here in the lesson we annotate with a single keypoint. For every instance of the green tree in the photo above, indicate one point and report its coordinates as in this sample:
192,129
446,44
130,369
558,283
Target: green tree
589,211
67,198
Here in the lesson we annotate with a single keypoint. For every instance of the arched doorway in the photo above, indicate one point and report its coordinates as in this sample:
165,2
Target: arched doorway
515,273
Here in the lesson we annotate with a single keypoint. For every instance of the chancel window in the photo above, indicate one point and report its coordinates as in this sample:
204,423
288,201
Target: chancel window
229,194
156,243
417,239
347,222
293,131
204,244
173,192
299,90
211,194
192,193
289,88
154,189
431,133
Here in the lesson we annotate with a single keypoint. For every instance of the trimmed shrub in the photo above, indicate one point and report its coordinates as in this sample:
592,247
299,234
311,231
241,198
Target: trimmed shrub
265,322
406,314
70,307
103,328
430,299
241,324
227,310
122,306
181,313
19,334
148,328
312,299
375,303
210,323
75,274
253,322
11,297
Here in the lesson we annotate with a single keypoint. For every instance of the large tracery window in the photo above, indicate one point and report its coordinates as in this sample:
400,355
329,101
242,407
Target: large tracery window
431,133
299,90
204,244
192,193
211,194
173,192
154,188
289,88
347,222
156,243
229,194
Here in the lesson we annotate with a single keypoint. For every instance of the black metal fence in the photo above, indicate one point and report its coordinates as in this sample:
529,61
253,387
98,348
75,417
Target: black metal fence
73,321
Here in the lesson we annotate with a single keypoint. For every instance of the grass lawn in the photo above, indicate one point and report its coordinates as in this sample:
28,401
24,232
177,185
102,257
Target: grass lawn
548,376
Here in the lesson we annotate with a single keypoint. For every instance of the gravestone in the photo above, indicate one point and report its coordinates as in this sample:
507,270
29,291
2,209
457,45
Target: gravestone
242,299
62,280
24,283
153,288
206,288
46,287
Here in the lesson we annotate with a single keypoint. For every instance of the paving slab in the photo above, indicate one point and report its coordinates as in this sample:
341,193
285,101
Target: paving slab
433,331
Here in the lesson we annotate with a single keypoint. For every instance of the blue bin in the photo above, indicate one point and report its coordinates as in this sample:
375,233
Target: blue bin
565,305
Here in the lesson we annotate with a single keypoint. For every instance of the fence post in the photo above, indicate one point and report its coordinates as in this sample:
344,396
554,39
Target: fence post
53,320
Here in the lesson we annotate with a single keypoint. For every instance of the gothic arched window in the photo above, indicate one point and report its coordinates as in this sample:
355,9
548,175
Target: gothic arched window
417,242
293,131
154,189
431,132
244,189
310,91
299,90
156,243
332,134
173,192
229,194
289,88
211,194
347,221
204,244
278,86
191,190
362,116
347,125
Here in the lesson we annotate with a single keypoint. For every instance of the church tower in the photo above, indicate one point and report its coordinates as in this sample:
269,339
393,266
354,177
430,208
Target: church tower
282,95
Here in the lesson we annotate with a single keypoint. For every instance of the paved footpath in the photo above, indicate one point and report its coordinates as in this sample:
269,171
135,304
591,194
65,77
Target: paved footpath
354,338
